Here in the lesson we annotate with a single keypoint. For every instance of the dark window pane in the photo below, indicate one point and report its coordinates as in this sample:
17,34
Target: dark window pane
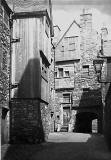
60,72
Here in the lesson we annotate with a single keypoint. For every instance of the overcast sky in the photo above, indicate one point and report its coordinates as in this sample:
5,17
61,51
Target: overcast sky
65,11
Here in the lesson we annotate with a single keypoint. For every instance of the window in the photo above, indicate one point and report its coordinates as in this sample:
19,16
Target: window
71,46
62,48
55,74
71,42
66,98
44,70
60,72
86,89
66,73
85,69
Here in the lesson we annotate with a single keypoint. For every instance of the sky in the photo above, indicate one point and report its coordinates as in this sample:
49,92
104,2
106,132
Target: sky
65,11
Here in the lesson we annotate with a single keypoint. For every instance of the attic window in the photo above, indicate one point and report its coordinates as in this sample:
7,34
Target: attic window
62,48
71,46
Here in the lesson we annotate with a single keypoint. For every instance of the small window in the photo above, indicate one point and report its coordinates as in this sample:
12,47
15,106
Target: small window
71,46
55,74
86,89
60,72
66,73
66,98
51,60
62,48
86,69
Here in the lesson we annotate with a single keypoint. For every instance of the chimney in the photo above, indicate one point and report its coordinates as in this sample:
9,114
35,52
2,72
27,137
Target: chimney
86,21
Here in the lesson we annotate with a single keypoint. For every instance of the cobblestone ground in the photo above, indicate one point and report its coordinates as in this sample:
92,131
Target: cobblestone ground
61,146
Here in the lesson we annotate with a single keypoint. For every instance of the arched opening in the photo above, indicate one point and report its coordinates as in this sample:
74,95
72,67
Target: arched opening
95,125
85,122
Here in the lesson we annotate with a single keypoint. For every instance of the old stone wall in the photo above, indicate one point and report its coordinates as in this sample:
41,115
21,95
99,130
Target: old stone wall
106,89
107,113
86,91
52,92
29,121
4,69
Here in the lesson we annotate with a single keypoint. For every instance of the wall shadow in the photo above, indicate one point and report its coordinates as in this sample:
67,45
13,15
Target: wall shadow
107,116
94,148
25,106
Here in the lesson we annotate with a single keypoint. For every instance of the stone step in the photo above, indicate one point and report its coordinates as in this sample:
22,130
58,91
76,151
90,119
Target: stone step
64,129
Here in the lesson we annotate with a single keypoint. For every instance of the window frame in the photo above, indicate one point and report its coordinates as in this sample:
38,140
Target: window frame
65,73
59,72
85,69
67,99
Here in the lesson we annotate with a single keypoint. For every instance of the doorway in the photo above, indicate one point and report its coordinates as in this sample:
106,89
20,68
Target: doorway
85,123
66,116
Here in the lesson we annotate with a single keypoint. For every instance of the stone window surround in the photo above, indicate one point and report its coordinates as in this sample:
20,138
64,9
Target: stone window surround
85,69
68,96
57,73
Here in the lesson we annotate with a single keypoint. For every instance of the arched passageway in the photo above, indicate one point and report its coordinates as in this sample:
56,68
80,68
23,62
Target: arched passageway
84,122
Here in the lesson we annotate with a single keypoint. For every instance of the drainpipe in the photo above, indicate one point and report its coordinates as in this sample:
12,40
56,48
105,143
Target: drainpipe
53,47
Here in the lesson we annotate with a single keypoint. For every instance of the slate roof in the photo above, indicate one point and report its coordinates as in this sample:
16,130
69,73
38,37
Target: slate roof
28,5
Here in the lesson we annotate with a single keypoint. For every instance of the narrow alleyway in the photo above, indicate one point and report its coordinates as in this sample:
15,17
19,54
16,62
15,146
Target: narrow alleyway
61,146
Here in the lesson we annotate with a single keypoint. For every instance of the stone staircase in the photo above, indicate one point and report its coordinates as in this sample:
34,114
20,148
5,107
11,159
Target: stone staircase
64,128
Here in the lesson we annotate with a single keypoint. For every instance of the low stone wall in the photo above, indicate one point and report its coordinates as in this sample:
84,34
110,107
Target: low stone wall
107,115
28,122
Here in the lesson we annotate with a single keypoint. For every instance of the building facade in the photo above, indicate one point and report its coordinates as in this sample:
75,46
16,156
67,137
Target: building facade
78,93
30,112
106,84
5,33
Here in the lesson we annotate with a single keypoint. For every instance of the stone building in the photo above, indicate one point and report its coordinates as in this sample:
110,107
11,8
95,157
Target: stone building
5,33
30,112
77,91
106,84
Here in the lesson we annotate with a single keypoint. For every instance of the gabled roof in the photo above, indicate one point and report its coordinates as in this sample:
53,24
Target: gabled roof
74,22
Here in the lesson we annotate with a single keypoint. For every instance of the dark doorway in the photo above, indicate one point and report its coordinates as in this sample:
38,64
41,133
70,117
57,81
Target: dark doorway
84,122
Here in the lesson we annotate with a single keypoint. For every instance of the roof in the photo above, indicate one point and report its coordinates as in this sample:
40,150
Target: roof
29,5
74,22
4,3
57,27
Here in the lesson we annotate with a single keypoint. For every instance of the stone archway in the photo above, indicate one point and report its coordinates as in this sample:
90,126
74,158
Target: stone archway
84,121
